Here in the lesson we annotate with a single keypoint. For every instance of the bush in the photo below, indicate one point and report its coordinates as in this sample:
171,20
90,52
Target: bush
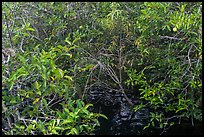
41,97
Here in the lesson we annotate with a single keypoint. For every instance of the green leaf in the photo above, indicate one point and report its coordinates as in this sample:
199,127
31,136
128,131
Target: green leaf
22,59
13,101
146,126
37,86
72,114
89,67
102,115
65,54
73,47
58,73
168,27
66,40
39,93
75,40
36,100
66,110
11,85
79,103
66,121
172,123
13,76
44,102
54,131
74,131
41,126
30,127
88,105
58,121
30,29
52,64
86,111
25,34
58,128
69,78
20,126
153,123
161,125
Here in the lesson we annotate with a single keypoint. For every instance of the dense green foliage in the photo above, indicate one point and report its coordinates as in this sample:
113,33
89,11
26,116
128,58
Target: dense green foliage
54,52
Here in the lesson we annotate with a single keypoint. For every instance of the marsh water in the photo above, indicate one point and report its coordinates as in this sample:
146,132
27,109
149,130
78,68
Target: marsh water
123,120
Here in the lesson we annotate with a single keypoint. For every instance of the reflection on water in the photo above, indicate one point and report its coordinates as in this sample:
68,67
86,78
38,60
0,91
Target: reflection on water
128,122
185,129
122,120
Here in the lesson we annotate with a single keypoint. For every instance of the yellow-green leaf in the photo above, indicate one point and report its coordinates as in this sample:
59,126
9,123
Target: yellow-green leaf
31,29
37,86
39,92
52,78
61,73
74,131
36,100
69,78
70,56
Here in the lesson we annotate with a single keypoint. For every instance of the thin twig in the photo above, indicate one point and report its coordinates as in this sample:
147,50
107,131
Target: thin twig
52,99
169,37
189,61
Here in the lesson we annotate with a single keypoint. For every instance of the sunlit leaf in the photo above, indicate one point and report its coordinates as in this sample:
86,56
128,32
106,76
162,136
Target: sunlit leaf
36,100
30,29
69,78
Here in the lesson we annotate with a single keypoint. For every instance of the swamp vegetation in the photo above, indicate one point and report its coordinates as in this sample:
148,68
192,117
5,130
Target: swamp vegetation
100,67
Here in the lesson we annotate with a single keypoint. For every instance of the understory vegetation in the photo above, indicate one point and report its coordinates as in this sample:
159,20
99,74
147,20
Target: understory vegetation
53,53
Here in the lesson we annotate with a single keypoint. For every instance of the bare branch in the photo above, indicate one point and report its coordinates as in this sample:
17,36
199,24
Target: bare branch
169,37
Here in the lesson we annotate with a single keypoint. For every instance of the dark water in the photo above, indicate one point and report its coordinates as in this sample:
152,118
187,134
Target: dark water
185,129
123,120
